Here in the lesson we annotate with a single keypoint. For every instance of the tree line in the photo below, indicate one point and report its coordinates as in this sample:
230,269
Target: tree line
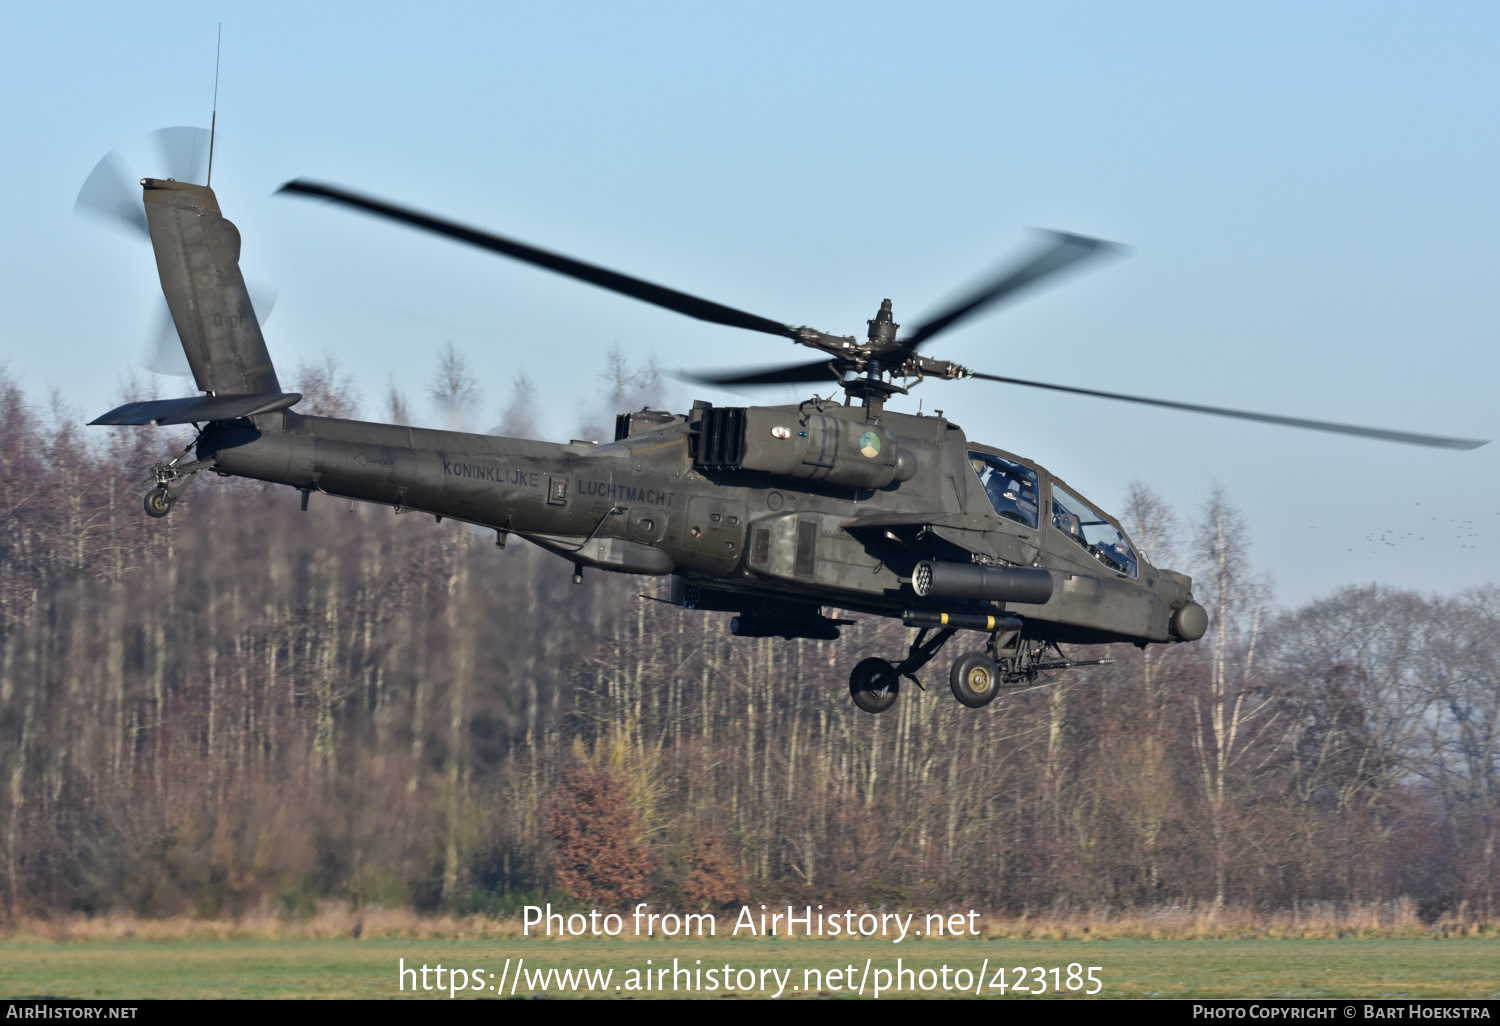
244,704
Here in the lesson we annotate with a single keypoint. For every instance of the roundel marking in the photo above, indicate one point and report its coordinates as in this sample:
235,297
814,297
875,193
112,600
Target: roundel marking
781,432
869,444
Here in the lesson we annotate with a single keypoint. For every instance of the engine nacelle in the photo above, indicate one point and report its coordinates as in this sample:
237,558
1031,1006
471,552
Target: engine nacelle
800,445
1030,585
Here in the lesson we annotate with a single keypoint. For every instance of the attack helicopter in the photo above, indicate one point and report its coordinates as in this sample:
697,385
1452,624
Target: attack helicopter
773,513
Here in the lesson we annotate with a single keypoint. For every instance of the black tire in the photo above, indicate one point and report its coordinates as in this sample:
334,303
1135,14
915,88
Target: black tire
975,679
874,685
158,503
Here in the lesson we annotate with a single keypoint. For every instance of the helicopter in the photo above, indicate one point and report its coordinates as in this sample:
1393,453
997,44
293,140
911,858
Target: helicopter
772,513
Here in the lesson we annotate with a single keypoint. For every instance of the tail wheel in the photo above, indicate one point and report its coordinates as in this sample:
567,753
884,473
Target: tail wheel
874,685
158,503
975,679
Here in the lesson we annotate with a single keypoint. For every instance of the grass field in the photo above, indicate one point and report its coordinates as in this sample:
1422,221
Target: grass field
347,968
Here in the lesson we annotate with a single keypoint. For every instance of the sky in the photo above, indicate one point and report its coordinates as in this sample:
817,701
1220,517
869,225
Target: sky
1307,194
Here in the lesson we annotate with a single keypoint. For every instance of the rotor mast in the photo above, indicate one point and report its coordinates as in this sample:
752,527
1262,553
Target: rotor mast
873,388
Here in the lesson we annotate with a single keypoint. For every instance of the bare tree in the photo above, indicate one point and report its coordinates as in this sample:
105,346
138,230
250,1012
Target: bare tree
453,387
1153,525
1231,713
327,390
397,409
1355,692
1463,728
519,420
623,388
135,389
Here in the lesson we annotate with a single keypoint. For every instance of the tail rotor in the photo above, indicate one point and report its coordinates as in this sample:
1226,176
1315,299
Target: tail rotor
111,195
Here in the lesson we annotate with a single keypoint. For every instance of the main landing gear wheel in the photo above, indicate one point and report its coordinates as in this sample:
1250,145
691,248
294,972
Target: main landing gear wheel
874,685
975,679
158,502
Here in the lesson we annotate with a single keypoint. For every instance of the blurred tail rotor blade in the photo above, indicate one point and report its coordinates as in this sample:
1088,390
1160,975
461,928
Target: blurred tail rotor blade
1061,251
107,194
163,352
1405,437
184,152
262,299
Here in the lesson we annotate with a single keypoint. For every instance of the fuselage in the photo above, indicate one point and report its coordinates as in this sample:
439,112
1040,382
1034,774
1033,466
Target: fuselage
643,504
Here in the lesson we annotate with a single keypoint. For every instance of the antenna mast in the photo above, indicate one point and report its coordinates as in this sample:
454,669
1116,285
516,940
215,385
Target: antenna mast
213,124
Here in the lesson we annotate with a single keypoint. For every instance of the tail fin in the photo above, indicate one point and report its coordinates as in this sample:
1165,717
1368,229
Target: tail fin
198,257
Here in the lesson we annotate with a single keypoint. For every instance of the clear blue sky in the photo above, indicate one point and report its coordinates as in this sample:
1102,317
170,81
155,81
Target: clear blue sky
1310,194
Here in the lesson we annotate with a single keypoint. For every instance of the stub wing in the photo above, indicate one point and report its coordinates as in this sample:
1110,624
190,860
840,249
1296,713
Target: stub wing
935,519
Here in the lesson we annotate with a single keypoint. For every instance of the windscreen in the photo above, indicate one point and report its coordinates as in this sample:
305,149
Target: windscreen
1092,532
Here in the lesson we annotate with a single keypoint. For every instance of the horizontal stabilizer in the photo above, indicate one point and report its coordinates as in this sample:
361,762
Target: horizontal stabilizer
199,408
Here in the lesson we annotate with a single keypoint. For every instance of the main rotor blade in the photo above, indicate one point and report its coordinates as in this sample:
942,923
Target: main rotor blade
794,374
107,194
1063,250
1405,437
681,302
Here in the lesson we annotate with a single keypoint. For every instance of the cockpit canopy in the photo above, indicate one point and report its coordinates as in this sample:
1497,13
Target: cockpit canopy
1012,489
1095,535
1011,486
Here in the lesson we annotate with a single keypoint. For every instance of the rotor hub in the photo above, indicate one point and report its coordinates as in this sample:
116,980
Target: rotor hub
883,327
